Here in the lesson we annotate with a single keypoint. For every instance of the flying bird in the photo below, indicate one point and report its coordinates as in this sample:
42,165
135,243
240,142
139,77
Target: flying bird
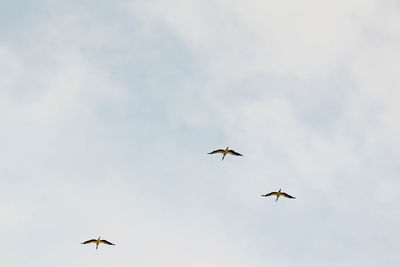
226,151
278,194
97,242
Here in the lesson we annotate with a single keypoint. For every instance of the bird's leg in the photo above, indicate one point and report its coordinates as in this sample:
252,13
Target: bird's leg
223,157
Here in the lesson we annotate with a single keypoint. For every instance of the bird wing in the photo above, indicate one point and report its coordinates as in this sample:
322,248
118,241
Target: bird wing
217,151
287,195
270,194
90,241
234,153
106,242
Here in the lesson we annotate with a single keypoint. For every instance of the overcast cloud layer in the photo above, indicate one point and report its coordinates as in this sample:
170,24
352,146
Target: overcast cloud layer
108,111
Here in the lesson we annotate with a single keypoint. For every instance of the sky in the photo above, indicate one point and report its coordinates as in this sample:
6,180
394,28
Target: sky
109,108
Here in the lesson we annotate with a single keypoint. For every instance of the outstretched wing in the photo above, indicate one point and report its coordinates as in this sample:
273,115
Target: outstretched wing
89,241
287,195
270,194
234,153
106,242
217,151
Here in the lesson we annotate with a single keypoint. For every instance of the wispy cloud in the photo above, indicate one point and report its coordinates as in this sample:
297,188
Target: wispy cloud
107,113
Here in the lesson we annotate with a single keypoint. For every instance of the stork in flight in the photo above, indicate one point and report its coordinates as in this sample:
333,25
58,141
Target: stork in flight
97,242
226,151
278,194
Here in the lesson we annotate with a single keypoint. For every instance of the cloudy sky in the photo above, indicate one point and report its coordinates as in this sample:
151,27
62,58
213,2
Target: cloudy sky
109,108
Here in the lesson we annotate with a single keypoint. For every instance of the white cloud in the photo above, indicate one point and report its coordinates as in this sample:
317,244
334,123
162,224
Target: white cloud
112,110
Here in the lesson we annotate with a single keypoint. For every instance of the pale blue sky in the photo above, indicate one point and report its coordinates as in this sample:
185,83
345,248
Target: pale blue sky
108,111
